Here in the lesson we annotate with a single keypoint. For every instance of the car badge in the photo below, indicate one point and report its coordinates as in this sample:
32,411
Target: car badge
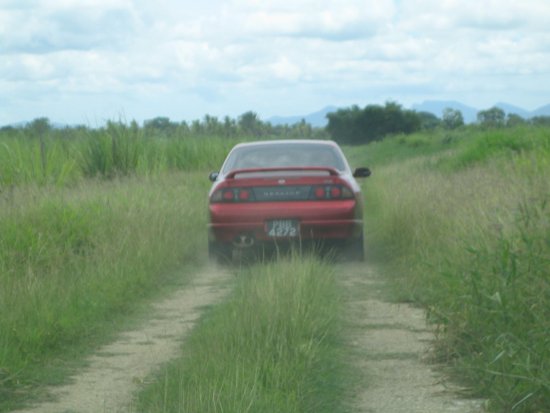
282,181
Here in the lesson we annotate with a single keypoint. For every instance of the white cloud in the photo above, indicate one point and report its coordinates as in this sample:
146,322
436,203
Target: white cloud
45,30
241,54
329,20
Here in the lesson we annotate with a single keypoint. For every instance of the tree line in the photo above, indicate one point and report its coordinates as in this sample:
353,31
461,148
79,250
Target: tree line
353,125
246,125
374,122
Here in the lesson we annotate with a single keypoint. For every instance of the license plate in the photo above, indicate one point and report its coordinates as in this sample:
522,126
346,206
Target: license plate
282,228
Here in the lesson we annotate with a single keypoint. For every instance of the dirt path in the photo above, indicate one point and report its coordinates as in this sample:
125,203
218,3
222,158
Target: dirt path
115,371
391,345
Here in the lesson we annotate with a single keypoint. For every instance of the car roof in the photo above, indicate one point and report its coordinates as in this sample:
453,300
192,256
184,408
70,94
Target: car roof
288,142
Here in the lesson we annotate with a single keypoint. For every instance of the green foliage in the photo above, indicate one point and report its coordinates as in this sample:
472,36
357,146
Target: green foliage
46,235
250,124
452,118
493,117
44,155
114,152
506,309
73,259
270,348
43,161
247,125
428,121
541,121
472,244
513,120
485,145
374,122
160,125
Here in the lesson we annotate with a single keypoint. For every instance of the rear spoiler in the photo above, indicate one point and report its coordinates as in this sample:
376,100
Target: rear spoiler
331,171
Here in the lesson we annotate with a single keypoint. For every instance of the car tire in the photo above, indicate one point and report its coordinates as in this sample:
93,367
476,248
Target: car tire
355,250
220,252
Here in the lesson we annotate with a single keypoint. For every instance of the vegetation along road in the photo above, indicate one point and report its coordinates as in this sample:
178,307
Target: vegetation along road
116,370
103,271
388,342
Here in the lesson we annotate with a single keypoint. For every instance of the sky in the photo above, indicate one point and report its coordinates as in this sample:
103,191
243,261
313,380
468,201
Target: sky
88,61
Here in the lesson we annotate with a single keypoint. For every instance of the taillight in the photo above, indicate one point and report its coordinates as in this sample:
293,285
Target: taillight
277,193
231,195
228,195
335,192
319,192
332,192
244,194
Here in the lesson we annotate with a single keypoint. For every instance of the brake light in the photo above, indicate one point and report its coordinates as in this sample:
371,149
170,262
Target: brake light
332,192
232,195
335,192
320,192
244,194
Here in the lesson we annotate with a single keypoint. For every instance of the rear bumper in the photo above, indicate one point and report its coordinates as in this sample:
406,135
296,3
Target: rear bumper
339,220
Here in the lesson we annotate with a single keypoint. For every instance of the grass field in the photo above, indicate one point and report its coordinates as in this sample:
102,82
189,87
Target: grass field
462,223
92,225
73,259
65,157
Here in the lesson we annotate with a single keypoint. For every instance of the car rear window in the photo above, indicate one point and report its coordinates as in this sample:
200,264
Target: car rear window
281,155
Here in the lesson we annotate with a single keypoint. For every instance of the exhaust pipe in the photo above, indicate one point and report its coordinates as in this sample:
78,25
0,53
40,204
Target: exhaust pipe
243,241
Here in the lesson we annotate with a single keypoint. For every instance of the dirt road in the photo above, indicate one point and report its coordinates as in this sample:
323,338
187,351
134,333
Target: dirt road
116,370
390,344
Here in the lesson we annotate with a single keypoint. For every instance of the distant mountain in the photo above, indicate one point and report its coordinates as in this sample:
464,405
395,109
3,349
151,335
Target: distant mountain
542,111
506,107
317,119
437,106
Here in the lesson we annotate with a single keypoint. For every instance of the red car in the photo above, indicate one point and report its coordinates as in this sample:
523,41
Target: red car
276,193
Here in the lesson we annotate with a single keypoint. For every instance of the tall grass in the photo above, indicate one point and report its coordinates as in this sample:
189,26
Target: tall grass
124,150
63,157
469,237
270,348
72,259
25,160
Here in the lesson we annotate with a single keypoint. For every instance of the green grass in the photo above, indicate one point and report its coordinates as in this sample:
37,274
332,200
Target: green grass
92,222
24,160
466,233
272,347
125,150
508,144
63,158
74,259
461,219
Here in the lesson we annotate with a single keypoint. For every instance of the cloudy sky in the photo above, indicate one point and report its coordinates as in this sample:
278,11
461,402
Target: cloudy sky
86,61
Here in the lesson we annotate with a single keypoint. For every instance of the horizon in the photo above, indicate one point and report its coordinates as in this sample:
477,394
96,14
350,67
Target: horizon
466,111
88,61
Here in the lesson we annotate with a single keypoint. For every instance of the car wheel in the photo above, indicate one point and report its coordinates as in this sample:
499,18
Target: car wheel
355,250
220,252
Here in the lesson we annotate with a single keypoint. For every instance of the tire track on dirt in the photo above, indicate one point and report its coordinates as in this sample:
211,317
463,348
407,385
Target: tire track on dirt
390,345
115,371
